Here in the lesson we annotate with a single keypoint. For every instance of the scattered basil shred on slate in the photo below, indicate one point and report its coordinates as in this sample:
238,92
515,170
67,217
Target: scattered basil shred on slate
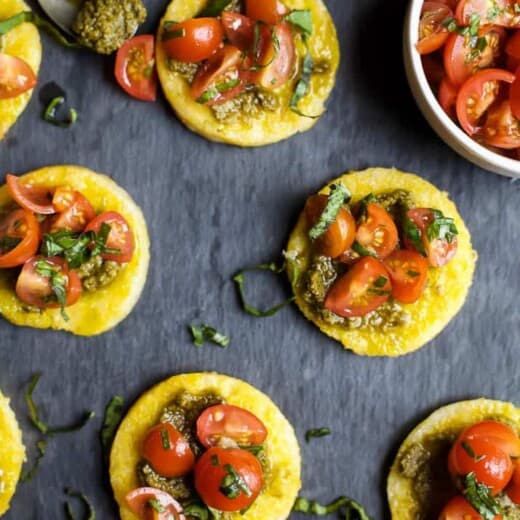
352,510
316,432
29,475
338,196
90,511
478,496
239,280
203,332
50,113
111,420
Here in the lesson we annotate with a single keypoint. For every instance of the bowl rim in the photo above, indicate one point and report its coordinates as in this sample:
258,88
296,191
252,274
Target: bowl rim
434,113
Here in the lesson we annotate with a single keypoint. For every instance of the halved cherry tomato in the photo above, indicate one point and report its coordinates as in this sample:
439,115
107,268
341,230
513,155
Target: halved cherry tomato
498,12
497,433
168,451
23,229
477,95
216,466
512,47
239,29
365,287
63,198
409,273
490,464
340,234
276,58
120,236
439,251
461,59
377,231
432,32
220,78
501,128
139,499
512,63
16,76
193,40
448,97
433,69
458,508
514,94
269,11
230,422
35,289
513,489
31,197
135,67
75,217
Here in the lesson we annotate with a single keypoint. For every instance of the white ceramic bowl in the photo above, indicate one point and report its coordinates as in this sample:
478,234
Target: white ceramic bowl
447,130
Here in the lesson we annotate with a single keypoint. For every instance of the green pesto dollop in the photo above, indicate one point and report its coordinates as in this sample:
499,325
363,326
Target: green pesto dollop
246,106
396,202
104,25
97,273
186,70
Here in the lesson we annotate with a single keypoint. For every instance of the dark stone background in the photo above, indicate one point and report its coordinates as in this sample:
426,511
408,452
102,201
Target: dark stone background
212,209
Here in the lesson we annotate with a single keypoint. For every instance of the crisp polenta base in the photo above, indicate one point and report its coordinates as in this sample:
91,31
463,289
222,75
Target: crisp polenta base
12,453
96,312
448,420
280,490
447,287
268,127
23,42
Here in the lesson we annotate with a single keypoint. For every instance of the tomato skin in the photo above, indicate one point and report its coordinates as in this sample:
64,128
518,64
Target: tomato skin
34,198
514,94
433,70
354,293
448,97
230,422
505,18
209,476
409,274
75,217
29,233
339,236
134,68
496,432
173,461
34,289
225,65
377,231
138,501
269,11
239,29
512,47
120,236
458,508
432,33
202,37
16,76
501,128
513,489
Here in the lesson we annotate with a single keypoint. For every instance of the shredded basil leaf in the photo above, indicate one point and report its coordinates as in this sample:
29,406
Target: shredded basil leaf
91,513
154,504
316,432
442,228
8,243
362,251
204,333
213,8
111,420
197,511
165,440
351,509
214,91
413,233
469,450
40,445
49,114
100,240
239,280
292,263
233,484
172,35
303,85
478,496
338,196
57,281
301,19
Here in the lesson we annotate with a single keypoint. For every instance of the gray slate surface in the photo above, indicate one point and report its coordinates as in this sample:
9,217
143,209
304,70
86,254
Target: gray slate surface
212,209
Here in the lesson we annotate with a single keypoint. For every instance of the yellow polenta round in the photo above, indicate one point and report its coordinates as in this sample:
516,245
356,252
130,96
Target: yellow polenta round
447,287
267,127
280,490
12,453
445,423
103,309
23,42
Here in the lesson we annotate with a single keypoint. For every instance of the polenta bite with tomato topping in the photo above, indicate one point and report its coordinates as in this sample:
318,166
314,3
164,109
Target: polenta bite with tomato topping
380,260
74,250
20,57
251,74
12,453
205,443
459,463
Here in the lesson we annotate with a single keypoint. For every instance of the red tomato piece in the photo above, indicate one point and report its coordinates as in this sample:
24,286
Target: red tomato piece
168,451
34,198
501,128
513,489
228,480
120,237
193,40
409,273
220,78
16,76
135,67
377,231
275,61
340,234
75,217
239,29
459,509
35,289
230,422
269,11
63,198
512,47
432,32
19,238
497,433
477,94
433,70
140,502
448,97
365,287
498,12
514,94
